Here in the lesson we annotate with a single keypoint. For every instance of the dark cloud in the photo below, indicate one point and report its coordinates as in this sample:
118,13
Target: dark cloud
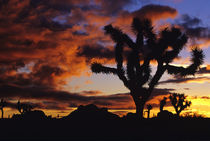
53,98
13,105
95,52
158,91
204,70
190,21
91,93
193,27
205,97
155,12
186,88
113,7
185,80
45,74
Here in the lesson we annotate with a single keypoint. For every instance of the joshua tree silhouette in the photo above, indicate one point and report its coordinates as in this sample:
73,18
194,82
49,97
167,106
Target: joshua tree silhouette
147,48
164,114
149,107
179,102
2,105
23,108
162,103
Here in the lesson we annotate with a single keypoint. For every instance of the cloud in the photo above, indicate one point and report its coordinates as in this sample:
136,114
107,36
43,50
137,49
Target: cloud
59,37
156,12
61,99
193,26
46,42
186,80
91,93
205,97
96,52
204,70
153,12
112,7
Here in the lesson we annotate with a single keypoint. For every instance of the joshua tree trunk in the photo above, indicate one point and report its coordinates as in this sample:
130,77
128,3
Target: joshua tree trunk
148,113
2,113
139,103
178,113
141,109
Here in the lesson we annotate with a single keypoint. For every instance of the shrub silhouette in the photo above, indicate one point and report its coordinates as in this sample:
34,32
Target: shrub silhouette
31,115
194,115
179,102
2,105
149,107
147,47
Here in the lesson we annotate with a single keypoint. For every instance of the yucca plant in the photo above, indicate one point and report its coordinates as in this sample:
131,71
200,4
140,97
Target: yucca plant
136,75
149,107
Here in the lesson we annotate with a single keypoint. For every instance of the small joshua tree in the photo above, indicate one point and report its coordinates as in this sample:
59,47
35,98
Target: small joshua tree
2,105
23,107
148,47
164,114
162,103
149,107
179,102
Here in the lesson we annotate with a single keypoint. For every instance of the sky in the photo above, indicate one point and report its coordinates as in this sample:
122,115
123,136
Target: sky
47,47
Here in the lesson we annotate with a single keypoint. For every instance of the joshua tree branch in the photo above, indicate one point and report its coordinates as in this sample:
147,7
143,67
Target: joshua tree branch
98,68
160,71
119,56
197,60
121,75
129,42
144,69
118,36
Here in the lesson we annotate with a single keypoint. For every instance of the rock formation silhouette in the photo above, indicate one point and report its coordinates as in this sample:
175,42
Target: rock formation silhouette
147,47
91,112
179,102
